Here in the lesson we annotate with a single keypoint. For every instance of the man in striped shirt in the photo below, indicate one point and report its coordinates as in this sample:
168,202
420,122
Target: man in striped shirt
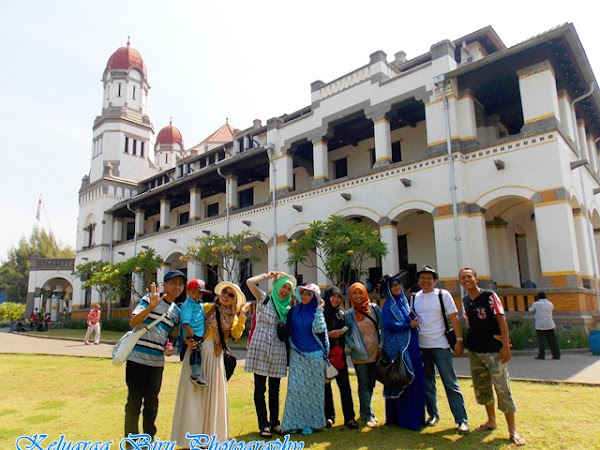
147,360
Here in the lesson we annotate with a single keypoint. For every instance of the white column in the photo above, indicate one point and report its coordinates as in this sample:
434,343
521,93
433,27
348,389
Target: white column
383,140
165,212
322,279
232,191
117,229
140,216
195,270
195,205
566,116
504,267
389,236
585,259
539,96
593,156
559,258
321,166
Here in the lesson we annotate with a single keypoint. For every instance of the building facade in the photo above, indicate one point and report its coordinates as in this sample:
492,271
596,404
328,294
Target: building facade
473,154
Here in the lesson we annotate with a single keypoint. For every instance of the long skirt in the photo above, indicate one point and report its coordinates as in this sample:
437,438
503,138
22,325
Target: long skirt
305,401
201,410
408,410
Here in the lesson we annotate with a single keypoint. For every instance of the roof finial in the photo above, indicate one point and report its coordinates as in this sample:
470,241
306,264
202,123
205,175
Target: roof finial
171,120
128,38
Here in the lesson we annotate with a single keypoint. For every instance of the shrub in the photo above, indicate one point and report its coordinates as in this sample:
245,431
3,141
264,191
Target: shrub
75,324
116,324
571,338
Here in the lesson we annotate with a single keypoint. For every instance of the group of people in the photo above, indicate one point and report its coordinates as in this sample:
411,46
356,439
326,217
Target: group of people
296,327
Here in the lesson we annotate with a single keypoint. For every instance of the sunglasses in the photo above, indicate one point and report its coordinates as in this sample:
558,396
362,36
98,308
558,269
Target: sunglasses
227,293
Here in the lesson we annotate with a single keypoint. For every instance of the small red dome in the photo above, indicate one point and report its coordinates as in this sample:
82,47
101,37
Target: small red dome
125,58
169,135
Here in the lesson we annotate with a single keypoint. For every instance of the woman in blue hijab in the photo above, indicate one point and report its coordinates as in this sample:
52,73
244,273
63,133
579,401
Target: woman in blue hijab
404,405
305,402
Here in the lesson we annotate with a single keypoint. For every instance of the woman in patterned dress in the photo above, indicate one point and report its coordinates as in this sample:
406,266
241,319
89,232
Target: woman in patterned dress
267,354
305,402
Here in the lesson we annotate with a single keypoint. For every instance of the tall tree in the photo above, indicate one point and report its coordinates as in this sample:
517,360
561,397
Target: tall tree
337,247
14,271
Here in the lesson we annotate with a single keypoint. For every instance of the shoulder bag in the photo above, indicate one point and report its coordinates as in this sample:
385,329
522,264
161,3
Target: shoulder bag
449,333
123,348
229,361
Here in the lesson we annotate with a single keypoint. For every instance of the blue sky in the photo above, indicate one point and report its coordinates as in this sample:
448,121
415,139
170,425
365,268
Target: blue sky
207,60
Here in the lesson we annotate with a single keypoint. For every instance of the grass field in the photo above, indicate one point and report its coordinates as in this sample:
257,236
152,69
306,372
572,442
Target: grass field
84,398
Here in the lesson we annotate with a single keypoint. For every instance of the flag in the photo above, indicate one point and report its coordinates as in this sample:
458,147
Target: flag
38,215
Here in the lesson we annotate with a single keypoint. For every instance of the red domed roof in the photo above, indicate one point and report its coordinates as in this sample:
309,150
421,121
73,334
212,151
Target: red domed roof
125,58
169,135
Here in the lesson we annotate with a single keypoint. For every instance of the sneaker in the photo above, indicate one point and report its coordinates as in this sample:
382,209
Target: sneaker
307,431
463,428
373,423
433,421
86,343
198,380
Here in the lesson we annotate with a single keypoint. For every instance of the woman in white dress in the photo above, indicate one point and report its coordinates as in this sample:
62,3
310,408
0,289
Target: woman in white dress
204,410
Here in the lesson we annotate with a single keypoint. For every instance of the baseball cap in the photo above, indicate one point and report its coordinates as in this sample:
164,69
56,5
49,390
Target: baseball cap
198,285
173,274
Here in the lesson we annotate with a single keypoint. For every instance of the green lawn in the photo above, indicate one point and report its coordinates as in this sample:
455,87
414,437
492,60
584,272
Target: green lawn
84,398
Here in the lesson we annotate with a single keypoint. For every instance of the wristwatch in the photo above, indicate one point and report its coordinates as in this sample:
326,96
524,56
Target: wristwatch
459,339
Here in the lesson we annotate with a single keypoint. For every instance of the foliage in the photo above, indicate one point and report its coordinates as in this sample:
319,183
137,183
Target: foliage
341,246
117,281
523,336
227,252
14,271
11,311
75,324
115,324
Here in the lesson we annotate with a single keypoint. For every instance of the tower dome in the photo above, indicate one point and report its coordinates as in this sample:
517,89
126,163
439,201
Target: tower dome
125,58
169,135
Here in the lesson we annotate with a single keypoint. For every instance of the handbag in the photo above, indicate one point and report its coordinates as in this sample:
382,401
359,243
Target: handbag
337,357
392,373
229,360
330,371
449,333
123,348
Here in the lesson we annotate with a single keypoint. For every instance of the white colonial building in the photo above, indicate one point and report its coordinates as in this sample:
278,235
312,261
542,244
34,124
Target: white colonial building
472,154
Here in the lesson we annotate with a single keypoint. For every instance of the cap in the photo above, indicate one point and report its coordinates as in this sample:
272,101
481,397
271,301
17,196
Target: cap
310,287
428,269
173,274
198,285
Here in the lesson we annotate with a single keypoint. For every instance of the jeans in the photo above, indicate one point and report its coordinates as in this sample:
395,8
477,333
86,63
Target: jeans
196,355
442,359
143,383
365,373
343,383
260,387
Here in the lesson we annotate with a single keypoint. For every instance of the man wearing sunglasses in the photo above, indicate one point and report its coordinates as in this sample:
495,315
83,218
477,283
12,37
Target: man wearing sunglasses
146,362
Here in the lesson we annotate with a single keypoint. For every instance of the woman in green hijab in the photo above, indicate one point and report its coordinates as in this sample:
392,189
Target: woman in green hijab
267,352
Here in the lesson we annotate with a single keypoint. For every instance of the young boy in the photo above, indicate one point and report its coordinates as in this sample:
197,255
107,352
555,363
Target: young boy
146,362
192,321
489,351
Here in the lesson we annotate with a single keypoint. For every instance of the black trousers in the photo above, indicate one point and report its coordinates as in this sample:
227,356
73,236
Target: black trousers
196,355
143,383
550,336
343,382
260,387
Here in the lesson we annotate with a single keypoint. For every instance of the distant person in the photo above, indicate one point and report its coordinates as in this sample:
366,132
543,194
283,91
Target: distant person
93,325
489,351
544,326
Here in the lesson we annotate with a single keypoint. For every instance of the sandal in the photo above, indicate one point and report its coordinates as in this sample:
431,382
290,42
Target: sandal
329,423
517,440
277,429
266,432
352,424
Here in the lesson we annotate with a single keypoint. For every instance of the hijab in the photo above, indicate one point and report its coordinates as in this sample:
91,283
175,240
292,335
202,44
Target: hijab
302,320
362,307
282,305
334,316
